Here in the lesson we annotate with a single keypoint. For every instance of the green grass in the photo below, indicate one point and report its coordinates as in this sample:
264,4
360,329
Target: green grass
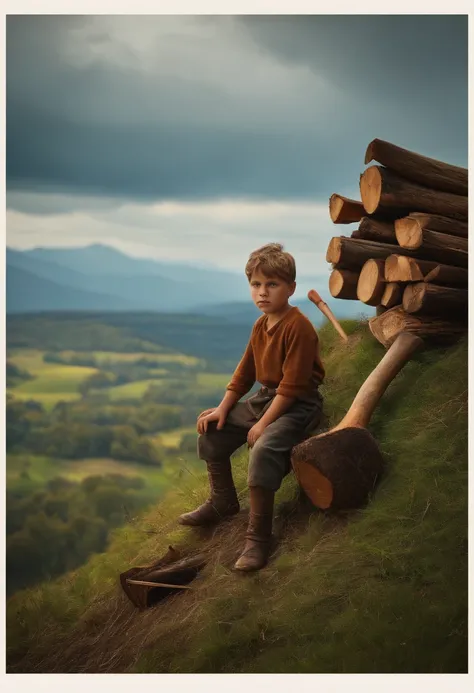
381,590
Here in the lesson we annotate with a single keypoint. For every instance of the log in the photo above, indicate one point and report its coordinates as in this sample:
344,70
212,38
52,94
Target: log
435,222
383,191
439,301
352,253
418,168
343,210
392,295
439,246
373,230
380,309
399,268
340,468
445,275
388,326
343,284
371,284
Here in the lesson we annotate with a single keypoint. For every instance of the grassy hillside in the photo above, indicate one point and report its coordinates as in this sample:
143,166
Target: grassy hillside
383,589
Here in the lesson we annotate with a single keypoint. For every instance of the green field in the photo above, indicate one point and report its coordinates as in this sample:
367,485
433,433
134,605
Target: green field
58,382
102,356
134,390
40,470
52,382
172,439
212,381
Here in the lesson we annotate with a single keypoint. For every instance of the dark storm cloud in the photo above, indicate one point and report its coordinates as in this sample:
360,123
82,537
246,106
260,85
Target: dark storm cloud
159,107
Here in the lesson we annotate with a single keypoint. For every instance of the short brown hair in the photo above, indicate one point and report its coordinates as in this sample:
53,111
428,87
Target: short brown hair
271,260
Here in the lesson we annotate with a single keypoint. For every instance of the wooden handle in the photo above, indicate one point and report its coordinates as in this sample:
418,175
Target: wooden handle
324,308
372,390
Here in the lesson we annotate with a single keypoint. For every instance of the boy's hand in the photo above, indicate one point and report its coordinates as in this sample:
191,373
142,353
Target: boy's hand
216,414
255,432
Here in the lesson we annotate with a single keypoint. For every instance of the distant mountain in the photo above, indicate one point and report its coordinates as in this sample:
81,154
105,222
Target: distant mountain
28,293
98,277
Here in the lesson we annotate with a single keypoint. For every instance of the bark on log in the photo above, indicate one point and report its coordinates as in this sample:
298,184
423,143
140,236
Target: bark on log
440,246
373,230
371,284
445,275
352,253
421,169
383,191
343,210
343,284
388,326
441,301
392,295
435,222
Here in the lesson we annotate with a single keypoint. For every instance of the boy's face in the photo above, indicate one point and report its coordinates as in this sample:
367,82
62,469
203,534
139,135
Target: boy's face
270,294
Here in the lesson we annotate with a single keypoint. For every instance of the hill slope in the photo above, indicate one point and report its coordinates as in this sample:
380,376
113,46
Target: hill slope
380,590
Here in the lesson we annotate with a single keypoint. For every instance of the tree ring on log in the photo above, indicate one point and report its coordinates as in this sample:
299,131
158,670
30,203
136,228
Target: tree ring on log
371,189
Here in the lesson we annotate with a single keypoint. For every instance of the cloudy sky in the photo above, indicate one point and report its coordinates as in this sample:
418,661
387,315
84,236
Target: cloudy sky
199,138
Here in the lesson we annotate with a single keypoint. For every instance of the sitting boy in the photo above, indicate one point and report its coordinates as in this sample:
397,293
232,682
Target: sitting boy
283,356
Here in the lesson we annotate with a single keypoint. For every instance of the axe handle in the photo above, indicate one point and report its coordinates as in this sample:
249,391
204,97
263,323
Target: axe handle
324,308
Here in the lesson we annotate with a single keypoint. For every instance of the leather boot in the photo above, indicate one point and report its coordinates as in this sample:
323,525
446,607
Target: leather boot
259,531
222,502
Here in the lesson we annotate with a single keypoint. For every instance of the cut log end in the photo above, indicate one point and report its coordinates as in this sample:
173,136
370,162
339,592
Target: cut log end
392,295
371,189
333,254
343,284
371,282
409,233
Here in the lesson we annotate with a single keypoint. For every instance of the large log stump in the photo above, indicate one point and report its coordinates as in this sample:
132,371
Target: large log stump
339,469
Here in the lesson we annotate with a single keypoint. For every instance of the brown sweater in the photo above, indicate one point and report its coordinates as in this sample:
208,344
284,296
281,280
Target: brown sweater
285,357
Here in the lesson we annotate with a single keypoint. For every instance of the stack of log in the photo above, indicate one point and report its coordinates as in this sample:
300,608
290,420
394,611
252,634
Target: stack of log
409,255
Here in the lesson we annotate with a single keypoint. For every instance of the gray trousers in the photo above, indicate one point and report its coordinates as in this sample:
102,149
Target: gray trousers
270,457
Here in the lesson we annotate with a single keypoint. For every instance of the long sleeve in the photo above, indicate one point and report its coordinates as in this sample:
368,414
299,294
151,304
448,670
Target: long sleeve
245,374
302,346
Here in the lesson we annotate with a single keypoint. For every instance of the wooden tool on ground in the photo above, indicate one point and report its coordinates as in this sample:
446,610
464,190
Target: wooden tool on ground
324,308
339,469
147,585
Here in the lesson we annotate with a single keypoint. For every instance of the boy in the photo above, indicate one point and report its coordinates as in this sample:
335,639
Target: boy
283,356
